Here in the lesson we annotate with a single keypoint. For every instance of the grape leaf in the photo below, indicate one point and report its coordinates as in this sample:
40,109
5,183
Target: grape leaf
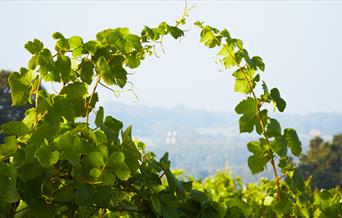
116,161
249,118
293,141
46,155
34,47
63,67
17,128
20,85
9,147
257,162
280,103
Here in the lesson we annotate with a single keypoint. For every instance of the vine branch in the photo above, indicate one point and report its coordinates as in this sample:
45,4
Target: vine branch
275,172
91,97
36,98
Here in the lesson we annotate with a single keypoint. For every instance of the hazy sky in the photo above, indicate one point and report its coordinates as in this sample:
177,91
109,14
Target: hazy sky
300,42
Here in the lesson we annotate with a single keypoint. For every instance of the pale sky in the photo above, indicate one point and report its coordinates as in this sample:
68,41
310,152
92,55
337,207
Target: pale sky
300,42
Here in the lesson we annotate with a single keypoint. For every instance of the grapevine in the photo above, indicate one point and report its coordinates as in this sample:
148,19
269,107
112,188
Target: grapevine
56,162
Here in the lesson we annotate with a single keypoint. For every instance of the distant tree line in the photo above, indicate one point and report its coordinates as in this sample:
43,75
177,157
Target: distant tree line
323,162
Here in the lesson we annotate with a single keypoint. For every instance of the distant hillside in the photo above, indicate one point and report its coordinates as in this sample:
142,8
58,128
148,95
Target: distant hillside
201,141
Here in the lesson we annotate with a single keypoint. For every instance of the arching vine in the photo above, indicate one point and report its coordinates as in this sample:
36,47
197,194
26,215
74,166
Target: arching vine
54,165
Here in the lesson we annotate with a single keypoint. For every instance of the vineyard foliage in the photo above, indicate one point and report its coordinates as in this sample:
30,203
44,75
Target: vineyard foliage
54,164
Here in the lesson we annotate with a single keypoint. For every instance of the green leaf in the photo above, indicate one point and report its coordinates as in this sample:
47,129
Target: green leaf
280,103
283,162
47,68
104,195
87,70
175,32
34,47
33,62
244,80
127,134
233,212
93,160
268,200
132,43
258,63
213,209
266,97
9,147
133,60
64,194
113,73
173,182
20,87
57,35
243,206
169,206
75,42
239,43
293,141
242,54
227,52
279,146
247,107
104,69
115,158
30,171
8,183
114,37
99,117
95,173
120,75
273,128
63,67
256,78
85,195
71,147
284,206
75,91
249,118
46,155
17,128
156,204
44,132
208,37
63,107
116,161
80,104
62,44
122,171
45,102
132,155
113,125
257,162
297,181
108,178
225,33
91,47
100,137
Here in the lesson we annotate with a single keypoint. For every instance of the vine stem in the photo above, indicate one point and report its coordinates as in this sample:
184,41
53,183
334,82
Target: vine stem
275,172
36,98
91,97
